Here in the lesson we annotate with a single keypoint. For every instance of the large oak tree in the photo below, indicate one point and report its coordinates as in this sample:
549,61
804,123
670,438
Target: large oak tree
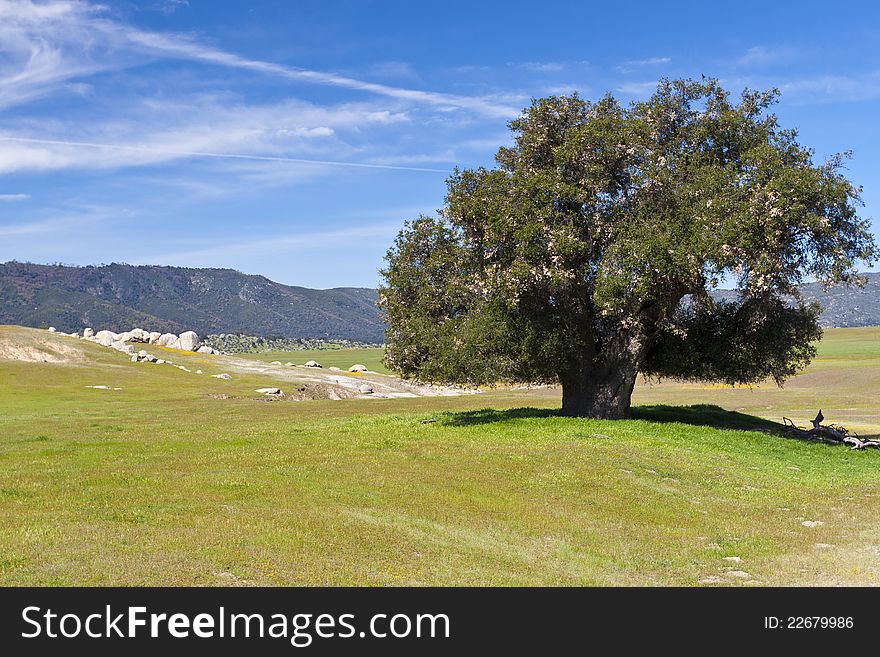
587,256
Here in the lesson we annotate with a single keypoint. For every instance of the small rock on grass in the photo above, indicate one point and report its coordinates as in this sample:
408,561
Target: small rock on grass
812,523
711,579
739,574
223,376
733,559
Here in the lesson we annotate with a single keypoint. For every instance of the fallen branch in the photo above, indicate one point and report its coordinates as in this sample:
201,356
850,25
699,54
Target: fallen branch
832,434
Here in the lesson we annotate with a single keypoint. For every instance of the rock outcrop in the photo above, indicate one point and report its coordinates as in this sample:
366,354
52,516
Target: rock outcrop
166,340
186,341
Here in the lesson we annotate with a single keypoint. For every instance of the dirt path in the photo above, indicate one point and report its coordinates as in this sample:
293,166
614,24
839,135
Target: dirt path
383,385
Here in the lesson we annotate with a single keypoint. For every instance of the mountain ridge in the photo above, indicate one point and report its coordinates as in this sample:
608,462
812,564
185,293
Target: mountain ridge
215,300
165,298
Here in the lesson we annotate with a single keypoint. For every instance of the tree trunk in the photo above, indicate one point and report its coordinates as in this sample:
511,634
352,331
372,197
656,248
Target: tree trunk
605,393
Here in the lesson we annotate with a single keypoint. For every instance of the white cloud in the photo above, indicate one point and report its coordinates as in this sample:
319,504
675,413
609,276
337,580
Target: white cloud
170,6
319,131
638,89
393,69
326,240
28,228
14,197
634,64
72,217
539,67
59,154
48,43
764,55
216,127
824,88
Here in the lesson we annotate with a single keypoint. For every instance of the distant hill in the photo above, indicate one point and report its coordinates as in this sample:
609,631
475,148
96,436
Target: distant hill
841,307
119,297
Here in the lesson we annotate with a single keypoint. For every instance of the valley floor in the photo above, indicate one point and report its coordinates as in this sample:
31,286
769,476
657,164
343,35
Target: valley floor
165,477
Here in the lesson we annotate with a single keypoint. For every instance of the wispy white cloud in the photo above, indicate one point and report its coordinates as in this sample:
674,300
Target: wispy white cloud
181,46
826,88
638,89
71,217
151,153
637,64
393,69
14,197
758,56
48,43
31,227
44,45
327,240
170,6
539,67
157,131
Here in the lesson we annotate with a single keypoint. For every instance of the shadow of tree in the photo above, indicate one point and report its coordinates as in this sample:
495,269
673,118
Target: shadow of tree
706,415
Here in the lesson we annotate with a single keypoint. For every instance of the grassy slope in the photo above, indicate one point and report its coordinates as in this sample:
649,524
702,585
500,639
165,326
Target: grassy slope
342,358
160,483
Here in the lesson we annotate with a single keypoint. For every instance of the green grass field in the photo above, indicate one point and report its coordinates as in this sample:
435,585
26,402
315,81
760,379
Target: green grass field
178,479
341,358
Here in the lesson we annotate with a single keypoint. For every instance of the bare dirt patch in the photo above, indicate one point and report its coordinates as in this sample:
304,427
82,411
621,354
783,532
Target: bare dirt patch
38,350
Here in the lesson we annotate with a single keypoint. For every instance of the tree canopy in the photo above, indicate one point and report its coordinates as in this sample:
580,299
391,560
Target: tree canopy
588,254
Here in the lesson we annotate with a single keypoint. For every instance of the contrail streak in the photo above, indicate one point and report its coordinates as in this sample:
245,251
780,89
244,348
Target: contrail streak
232,156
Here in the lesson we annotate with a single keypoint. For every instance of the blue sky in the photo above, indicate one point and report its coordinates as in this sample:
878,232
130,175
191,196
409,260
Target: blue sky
292,139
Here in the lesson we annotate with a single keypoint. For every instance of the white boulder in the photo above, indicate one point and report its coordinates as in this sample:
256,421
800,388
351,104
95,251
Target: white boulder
189,341
357,367
312,363
166,340
154,337
123,347
88,332
106,338
135,335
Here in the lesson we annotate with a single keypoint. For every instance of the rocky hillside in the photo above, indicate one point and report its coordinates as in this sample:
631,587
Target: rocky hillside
175,299
214,301
842,307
